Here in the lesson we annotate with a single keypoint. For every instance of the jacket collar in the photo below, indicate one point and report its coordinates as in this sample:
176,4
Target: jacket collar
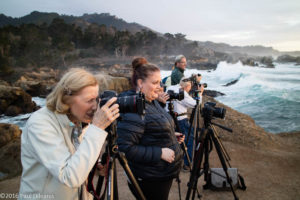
181,70
67,127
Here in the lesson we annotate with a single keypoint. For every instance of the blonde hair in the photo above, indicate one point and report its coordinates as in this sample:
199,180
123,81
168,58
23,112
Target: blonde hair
71,83
184,81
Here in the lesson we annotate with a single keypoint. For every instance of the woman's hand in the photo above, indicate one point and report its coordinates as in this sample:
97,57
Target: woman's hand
105,115
180,137
201,89
163,97
167,155
102,169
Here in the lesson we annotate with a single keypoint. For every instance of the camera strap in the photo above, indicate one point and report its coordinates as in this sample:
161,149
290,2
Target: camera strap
178,115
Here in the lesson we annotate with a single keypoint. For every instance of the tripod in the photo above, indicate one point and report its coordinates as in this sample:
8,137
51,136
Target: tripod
207,139
182,145
177,128
110,156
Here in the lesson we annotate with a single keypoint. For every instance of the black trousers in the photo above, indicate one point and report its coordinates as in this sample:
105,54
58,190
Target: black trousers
153,190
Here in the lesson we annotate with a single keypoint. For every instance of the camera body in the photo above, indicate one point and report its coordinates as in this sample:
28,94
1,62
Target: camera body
210,110
127,104
178,96
196,84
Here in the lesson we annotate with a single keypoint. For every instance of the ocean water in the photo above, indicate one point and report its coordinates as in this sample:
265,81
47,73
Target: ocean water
271,96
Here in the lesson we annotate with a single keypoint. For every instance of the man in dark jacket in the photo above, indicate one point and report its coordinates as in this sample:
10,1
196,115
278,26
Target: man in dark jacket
178,71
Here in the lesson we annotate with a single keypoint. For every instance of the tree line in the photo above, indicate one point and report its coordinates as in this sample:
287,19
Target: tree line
56,44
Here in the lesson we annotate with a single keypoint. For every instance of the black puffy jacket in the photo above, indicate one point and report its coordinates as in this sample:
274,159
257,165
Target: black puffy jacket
141,139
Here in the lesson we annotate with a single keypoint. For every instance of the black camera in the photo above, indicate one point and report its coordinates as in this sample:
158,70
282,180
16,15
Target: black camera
179,96
195,82
195,85
127,104
210,110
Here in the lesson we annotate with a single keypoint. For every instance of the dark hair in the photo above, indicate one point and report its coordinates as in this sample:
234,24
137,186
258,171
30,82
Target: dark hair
141,70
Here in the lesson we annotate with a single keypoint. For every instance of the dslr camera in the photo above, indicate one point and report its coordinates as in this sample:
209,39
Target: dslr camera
210,110
178,96
195,82
127,104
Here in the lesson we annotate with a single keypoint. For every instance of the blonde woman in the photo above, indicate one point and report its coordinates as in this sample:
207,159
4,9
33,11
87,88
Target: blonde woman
56,154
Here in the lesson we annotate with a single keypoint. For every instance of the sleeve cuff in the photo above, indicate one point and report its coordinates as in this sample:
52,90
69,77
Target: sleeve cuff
95,131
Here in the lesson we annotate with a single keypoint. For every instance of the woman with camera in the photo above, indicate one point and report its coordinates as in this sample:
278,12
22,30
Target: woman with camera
149,141
56,153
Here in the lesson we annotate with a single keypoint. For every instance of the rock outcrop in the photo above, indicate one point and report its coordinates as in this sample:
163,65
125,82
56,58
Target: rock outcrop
15,101
38,83
107,82
10,149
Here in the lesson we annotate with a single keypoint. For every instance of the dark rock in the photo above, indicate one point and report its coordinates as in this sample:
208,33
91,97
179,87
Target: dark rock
231,83
120,70
249,62
13,110
288,58
8,132
212,93
10,158
14,101
39,82
10,150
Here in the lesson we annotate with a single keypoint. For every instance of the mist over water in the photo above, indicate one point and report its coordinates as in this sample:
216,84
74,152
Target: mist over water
271,96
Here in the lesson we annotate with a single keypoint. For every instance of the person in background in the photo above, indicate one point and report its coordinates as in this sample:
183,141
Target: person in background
181,108
178,71
149,142
57,154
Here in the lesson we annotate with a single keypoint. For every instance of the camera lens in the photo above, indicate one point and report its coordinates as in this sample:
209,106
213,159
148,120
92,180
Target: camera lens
127,104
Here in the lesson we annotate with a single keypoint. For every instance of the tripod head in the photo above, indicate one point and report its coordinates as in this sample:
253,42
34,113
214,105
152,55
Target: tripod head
210,112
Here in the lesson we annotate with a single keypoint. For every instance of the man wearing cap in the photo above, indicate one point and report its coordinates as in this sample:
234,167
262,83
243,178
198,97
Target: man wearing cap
178,71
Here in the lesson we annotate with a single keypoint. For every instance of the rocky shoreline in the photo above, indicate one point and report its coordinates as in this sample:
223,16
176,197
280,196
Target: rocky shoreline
16,98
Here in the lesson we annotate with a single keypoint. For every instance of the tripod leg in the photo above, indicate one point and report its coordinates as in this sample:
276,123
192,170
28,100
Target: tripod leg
226,155
206,161
195,173
222,160
111,180
124,164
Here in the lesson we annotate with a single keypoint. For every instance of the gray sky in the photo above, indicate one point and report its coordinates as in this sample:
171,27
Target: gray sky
273,23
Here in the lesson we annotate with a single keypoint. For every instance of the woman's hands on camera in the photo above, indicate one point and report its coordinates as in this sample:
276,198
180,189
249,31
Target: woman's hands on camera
163,97
105,115
167,154
180,137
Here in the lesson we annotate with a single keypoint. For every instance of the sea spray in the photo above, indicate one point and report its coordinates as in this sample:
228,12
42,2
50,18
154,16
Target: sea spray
271,96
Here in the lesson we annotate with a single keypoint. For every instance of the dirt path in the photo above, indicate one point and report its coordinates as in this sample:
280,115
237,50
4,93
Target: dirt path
270,174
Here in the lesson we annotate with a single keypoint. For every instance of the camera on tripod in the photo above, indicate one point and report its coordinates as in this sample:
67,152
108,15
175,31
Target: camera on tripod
195,82
127,104
195,79
178,96
210,110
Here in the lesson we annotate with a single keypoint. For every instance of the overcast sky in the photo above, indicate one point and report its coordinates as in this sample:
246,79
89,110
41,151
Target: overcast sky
273,23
